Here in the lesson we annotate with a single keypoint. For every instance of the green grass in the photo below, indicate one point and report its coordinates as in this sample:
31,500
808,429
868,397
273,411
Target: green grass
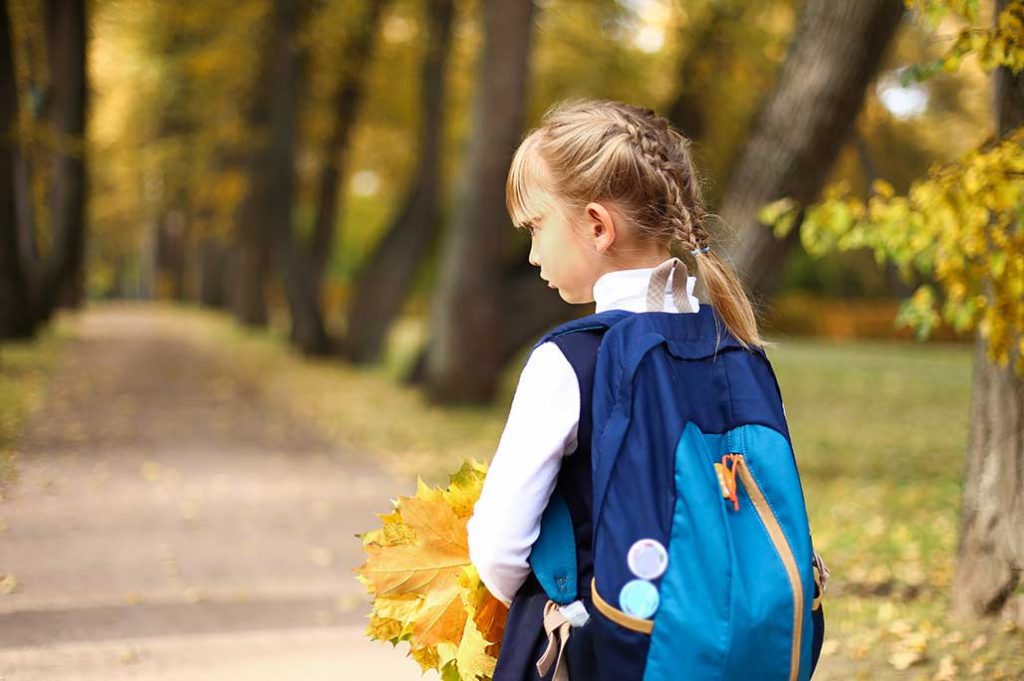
880,431
24,367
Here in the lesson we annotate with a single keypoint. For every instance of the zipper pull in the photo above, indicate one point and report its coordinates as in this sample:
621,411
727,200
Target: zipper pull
727,477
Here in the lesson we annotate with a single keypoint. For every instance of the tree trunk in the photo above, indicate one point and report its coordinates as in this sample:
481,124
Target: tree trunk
990,562
287,65
35,283
346,105
383,282
171,251
530,311
247,277
991,547
66,41
470,319
15,314
266,214
687,110
212,261
799,129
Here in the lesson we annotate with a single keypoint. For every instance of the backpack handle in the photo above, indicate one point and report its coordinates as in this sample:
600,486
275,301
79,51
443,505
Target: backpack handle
659,281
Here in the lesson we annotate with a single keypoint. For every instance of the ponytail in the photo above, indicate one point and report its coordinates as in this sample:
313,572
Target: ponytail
728,297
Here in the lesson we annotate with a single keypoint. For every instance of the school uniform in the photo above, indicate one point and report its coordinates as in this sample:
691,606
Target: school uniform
546,444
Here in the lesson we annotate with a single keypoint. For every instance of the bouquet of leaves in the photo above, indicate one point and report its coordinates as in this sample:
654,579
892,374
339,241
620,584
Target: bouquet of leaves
425,590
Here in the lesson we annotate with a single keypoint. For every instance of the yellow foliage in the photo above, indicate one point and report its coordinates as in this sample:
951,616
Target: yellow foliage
425,590
960,225
999,45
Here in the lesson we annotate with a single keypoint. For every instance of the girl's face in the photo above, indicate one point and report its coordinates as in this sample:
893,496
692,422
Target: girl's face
571,257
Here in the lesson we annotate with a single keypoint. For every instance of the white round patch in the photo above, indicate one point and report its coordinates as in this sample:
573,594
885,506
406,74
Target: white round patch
647,559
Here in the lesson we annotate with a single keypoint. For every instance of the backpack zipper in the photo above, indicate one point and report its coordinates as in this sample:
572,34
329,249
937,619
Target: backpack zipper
778,539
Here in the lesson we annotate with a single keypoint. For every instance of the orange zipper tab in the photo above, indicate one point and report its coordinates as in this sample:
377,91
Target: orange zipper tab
727,477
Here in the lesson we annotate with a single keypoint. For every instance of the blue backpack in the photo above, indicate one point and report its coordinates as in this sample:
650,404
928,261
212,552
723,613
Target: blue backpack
702,554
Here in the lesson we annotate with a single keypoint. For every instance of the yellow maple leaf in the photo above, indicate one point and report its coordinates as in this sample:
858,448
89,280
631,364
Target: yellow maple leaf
427,658
471,657
424,587
489,614
391,617
464,488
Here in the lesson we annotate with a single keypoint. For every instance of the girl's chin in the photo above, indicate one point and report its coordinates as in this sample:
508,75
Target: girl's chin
567,296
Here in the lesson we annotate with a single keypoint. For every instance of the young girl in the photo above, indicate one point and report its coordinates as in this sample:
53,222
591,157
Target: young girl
607,192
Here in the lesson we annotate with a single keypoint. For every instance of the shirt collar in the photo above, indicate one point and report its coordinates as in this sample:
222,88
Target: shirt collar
627,290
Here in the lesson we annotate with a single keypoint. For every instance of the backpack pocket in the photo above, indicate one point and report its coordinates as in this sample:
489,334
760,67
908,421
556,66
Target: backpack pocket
771,554
778,539
736,599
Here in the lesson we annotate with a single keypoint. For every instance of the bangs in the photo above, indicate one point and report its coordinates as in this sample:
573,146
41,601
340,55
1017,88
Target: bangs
524,199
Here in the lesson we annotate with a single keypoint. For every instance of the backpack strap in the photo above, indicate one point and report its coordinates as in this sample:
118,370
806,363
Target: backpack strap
659,281
616,430
600,321
553,556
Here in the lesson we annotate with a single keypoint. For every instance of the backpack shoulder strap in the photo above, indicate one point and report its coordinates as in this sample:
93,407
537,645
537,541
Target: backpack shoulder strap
553,556
600,321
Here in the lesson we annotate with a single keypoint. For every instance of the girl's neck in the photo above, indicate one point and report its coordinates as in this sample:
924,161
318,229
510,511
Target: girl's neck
638,261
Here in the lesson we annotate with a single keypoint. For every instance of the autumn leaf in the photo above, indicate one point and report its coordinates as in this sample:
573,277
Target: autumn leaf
425,590
489,614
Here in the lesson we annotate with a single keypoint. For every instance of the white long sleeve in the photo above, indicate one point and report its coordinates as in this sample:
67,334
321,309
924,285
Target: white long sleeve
541,428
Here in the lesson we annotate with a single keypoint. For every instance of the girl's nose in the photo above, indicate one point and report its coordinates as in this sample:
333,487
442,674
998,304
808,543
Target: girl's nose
533,255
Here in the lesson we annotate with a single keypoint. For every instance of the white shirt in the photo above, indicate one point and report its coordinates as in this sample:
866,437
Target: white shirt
540,430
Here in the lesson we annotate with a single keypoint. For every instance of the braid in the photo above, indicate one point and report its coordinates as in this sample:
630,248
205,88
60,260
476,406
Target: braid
666,153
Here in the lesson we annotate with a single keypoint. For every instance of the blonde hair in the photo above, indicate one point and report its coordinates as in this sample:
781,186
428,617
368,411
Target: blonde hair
602,150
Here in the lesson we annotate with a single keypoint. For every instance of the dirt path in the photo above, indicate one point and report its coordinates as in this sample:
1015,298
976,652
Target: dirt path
169,524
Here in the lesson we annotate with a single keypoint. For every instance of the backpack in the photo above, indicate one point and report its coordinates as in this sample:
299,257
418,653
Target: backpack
703,561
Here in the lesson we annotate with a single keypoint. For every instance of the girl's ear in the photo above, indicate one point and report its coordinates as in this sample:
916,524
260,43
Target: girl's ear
600,226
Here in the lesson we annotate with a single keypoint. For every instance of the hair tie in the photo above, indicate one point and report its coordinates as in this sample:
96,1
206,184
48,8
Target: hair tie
698,251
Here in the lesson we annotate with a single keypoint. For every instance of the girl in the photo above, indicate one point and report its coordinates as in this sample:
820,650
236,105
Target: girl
607,192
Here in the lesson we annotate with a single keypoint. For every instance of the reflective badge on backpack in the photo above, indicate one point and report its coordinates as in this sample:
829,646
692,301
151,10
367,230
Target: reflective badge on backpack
647,558
639,598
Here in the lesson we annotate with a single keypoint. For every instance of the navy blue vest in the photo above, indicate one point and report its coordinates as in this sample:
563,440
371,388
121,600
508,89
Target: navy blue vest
524,641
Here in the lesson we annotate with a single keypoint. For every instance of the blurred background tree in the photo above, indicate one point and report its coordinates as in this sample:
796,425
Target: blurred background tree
44,191
323,191
383,129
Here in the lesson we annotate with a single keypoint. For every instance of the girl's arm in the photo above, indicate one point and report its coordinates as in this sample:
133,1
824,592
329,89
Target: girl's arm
541,428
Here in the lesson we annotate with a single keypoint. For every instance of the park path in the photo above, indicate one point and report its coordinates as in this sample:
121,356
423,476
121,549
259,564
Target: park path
168,523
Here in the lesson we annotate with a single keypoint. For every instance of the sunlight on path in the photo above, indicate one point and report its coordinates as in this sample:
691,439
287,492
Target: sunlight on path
320,654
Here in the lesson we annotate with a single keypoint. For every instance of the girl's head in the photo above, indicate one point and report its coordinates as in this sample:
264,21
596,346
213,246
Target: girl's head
603,186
